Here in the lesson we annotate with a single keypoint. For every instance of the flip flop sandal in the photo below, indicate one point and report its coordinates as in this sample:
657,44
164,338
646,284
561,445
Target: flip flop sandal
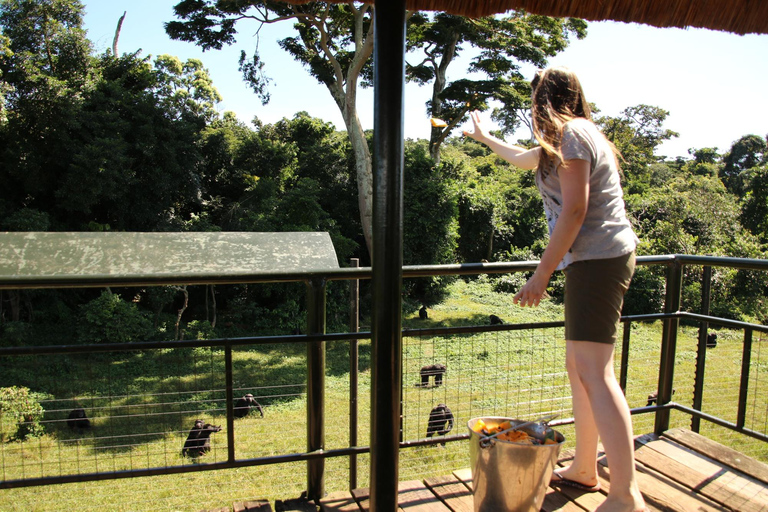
558,480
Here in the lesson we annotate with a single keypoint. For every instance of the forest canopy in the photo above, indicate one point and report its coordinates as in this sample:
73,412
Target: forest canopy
103,142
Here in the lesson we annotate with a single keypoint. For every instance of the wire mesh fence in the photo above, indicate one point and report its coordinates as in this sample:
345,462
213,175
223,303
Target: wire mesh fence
111,412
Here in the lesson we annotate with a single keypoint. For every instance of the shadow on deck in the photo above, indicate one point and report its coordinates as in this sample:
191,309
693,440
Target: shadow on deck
680,471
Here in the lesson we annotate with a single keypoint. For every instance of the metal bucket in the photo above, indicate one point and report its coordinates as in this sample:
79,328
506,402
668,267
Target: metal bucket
510,477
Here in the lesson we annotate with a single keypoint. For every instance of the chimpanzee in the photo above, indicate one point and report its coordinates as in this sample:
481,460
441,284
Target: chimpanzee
77,420
246,404
199,439
423,313
711,340
653,397
495,320
440,421
437,369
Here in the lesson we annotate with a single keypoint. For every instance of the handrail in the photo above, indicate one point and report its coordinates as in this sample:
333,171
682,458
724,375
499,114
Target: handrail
671,317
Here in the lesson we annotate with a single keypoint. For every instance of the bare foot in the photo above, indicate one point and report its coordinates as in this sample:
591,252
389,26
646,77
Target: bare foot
572,478
623,504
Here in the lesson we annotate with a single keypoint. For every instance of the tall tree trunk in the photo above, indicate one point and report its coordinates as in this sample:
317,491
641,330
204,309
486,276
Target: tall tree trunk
117,34
182,289
438,134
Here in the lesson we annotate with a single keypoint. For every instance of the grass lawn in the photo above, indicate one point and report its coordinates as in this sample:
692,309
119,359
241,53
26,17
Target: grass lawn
142,406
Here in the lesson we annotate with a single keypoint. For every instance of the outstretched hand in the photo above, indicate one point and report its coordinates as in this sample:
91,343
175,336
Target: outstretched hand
478,133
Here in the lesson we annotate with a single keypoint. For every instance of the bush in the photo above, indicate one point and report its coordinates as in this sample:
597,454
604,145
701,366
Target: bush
20,414
109,319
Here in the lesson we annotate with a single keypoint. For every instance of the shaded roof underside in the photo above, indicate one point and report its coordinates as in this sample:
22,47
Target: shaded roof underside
738,16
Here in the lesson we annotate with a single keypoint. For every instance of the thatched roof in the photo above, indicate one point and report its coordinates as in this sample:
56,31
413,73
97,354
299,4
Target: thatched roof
738,16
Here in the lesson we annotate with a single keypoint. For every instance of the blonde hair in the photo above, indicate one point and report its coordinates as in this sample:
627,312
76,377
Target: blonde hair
557,97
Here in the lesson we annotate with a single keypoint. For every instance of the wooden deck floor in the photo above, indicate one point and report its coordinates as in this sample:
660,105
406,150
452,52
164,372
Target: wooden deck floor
680,471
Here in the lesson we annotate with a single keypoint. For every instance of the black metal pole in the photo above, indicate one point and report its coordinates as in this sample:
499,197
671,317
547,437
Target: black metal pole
701,349
746,361
354,368
315,387
625,356
387,253
669,344
230,394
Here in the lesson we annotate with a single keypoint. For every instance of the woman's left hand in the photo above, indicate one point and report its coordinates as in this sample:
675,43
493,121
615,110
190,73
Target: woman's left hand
533,291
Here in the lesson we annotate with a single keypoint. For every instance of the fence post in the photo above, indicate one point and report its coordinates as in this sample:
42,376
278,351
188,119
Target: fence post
746,361
701,349
354,368
669,343
315,386
625,356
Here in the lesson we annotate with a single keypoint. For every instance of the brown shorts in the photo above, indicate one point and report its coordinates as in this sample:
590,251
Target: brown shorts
594,295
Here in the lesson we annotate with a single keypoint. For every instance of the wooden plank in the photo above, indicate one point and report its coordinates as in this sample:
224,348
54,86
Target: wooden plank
464,476
731,480
452,491
724,492
717,451
340,501
414,496
555,501
362,497
662,493
252,506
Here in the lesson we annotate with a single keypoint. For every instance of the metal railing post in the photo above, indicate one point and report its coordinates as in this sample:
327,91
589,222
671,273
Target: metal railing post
316,386
746,361
387,250
624,357
230,394
354,368
672,300
701,349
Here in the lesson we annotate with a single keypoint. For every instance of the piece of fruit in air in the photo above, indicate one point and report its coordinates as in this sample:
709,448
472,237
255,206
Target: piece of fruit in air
438,123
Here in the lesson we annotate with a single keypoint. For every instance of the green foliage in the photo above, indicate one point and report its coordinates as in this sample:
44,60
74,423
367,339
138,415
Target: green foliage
745,153
430,219
637,133
199,330
110,319
502,44
754,211
20,414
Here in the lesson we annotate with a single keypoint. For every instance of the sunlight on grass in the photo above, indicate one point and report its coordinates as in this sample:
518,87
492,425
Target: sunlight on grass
142,405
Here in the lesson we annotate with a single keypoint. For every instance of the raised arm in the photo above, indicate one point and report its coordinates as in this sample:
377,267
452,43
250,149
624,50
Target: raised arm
516,155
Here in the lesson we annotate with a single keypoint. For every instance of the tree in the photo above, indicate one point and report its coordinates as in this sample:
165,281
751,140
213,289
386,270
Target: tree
503,44
186,89
45,66
334,42
745,153
637,133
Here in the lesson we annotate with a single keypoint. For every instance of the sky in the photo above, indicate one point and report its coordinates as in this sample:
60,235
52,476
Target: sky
712,83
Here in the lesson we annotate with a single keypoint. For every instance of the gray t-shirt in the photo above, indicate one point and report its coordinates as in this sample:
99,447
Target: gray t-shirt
606,232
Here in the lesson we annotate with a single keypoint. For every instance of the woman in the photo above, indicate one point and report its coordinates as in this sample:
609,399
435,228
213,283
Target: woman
591,238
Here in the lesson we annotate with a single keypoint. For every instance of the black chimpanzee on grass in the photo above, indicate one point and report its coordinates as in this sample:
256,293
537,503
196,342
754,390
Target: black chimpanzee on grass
199,439
246,404
440,421
495,320
77,420
437,369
